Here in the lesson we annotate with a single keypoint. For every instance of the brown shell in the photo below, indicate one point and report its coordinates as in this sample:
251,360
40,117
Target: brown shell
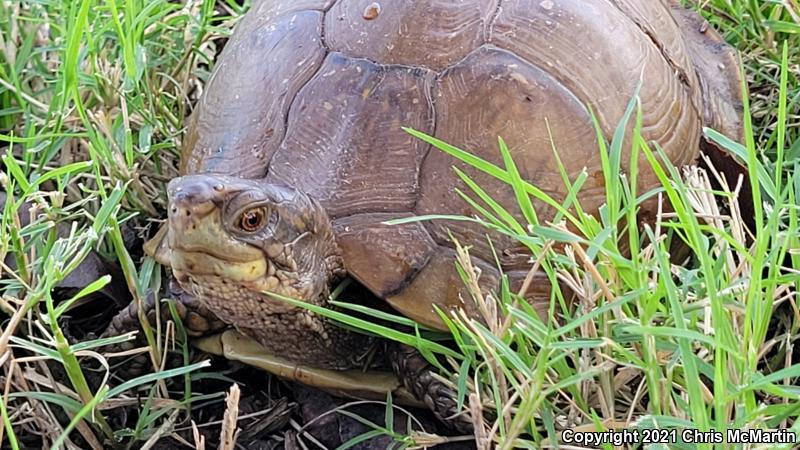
313,94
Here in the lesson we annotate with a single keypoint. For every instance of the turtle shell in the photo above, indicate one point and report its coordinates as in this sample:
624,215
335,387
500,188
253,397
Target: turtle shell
314,94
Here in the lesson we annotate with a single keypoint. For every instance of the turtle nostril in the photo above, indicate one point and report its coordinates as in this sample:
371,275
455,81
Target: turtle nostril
197,189
193,197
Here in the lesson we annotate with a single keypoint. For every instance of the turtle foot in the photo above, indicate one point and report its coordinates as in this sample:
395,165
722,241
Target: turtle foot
417,375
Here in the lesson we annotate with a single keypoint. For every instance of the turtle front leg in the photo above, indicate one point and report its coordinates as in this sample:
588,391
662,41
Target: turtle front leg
197,320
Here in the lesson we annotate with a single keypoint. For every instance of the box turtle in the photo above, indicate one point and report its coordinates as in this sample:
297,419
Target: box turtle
295,158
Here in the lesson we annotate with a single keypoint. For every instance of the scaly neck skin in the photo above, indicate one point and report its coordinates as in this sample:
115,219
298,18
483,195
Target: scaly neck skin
289,250
294,333
309,339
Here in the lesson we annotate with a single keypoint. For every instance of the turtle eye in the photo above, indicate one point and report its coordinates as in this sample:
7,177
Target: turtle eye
252,219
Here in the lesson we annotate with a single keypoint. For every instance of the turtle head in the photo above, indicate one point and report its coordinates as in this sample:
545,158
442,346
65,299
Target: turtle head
230,239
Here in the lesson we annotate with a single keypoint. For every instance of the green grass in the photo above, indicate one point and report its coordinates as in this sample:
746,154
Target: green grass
697,340
93,97
91,111
758,29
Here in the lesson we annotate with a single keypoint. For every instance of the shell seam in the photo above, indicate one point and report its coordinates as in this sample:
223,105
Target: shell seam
490,21
297,94
681,73
683,76
428,147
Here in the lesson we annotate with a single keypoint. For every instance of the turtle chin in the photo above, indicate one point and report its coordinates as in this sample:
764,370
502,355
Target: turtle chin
240,298
231,278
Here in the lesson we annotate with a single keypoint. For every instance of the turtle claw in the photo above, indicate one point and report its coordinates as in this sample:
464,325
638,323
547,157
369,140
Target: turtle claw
197,321
418,377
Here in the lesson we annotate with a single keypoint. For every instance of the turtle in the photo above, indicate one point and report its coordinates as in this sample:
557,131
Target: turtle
296,157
